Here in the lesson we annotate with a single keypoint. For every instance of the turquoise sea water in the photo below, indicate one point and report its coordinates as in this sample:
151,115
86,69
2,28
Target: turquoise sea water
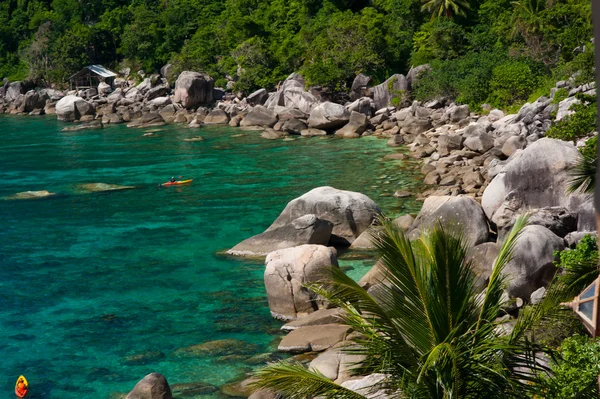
99,289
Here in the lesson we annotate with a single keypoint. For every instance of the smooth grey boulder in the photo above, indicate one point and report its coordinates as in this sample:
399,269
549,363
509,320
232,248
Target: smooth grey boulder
314,338
371,387
328,115
260,116
104,89
415,125
35,100
355,127
307,229
395,86
294,126
458,112
152,386
193,89
365,240
216,117
337,363
363,105
316,318
286,273
535,177
259,97
556,219
161,101
512,144
360,82
287,113
291,94
480,142
532,265
460,214
482,259
350,213
70,108
115,96
158,91
449,142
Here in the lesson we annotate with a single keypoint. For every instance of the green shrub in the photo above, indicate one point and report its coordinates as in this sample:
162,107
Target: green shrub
578,370
511,82
578,125
590,150
560,95
466,79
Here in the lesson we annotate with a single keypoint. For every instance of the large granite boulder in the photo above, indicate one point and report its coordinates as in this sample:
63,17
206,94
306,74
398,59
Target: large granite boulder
351,213
307,229
260,116
461,214
382,94
291,94
259,97
35,100
532,265
14,90
482,259
328,115
337,363
70,108
152,386
286,272
193,89
535,177
314,338
216,117
355,127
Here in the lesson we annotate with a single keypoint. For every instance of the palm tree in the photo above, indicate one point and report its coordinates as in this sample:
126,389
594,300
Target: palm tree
446,7
583,175
427,329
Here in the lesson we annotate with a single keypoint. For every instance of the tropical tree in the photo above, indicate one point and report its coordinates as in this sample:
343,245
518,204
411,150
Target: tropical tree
446,8
426,329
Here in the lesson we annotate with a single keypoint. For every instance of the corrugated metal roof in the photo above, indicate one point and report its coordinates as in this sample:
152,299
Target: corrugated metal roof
98,70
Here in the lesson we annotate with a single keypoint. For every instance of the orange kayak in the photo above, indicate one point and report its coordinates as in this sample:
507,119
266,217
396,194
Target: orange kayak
21,387
177,183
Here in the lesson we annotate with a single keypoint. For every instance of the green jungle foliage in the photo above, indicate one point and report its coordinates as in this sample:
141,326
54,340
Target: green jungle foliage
578,369
480,50
578,125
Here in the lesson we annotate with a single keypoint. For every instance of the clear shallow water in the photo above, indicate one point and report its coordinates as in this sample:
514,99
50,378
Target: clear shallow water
88,280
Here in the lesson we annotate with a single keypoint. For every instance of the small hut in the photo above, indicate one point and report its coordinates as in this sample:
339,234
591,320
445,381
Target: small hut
91,76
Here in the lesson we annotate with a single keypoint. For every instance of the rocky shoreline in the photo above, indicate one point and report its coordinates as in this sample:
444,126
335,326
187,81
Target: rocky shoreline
484,171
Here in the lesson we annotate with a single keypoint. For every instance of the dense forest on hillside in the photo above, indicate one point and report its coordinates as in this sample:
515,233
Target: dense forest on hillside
498,51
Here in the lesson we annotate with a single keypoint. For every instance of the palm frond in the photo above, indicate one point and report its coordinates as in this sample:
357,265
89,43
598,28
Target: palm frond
296,382
583,175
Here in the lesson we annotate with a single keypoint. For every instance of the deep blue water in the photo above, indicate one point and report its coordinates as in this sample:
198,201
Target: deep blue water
88,280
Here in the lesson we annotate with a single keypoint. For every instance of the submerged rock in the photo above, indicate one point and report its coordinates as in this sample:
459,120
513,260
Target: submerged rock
99,187
220,347
193,389
30,195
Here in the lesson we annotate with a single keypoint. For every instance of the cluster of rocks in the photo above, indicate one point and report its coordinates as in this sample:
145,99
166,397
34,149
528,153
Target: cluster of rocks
291,109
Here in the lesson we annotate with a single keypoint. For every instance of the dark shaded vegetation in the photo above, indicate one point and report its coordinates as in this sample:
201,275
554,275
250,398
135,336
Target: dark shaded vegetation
495,51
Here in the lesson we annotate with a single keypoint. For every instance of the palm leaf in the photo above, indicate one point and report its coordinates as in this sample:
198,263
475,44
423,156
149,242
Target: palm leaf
296,382
583,175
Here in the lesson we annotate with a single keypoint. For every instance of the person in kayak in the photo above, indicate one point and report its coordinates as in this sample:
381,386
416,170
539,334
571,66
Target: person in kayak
21,387
173,180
